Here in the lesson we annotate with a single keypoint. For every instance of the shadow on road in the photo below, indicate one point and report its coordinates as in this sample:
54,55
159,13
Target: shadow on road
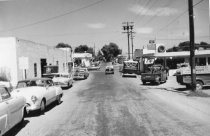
129,76
190,93
16,129
66,88
48,108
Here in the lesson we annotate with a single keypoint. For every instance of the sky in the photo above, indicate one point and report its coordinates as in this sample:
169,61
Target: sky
99,22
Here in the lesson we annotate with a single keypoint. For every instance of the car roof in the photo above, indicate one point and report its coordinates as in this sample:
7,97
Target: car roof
60,73
110,66
33,79
131,61
3,86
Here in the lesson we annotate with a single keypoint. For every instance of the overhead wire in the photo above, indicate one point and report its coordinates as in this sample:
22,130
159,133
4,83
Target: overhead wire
140,12
183,13
54,17
155,15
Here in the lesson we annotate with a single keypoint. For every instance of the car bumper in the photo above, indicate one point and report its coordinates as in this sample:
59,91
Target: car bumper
109,72
32,107
79,77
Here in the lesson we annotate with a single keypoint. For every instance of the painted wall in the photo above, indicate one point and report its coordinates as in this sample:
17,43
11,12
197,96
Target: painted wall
8,64
13,50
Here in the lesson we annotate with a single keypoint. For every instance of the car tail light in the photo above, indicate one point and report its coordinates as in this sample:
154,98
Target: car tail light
33,99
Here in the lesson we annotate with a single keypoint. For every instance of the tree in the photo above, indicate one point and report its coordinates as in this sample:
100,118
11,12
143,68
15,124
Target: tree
63,45
110,51
99,56
185,46
83,49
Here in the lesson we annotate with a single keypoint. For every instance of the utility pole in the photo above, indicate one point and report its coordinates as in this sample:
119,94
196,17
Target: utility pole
192,45
131,32
127,27
94,53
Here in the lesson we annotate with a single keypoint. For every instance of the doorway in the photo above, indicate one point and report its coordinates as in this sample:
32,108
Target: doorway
43,64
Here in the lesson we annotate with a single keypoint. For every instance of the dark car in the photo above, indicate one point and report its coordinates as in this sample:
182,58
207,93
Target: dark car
109,70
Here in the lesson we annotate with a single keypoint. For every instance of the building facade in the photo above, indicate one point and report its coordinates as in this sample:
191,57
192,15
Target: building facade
21,59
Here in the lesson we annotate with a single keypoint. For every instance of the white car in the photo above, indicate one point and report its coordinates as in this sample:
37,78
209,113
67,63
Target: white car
12,109
62,79
39,93
80,73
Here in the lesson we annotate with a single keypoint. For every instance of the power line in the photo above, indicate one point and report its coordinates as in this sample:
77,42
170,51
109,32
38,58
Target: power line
148,2
155,15
55,17
178,17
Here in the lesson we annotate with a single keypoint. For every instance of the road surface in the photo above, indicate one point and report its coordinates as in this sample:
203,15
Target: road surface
109,105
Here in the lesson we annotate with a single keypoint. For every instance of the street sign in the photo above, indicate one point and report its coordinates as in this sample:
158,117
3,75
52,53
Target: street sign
23,63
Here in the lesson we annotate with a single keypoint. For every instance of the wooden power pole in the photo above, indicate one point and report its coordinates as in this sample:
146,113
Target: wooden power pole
128,27
192,45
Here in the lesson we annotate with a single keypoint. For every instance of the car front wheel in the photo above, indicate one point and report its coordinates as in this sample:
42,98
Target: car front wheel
58,99
42,107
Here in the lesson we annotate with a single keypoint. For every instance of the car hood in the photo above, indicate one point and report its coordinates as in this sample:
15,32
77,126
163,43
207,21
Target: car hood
29,91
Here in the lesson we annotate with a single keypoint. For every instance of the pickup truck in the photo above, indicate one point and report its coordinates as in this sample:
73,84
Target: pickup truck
155,75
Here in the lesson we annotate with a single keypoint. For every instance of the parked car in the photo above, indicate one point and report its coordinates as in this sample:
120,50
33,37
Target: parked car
86,72
155,75
12,110
109,70
62,79
39,93
94,67
80,73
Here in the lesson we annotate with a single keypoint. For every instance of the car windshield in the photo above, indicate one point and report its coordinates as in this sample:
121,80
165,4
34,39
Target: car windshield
23,84
155,69
66,76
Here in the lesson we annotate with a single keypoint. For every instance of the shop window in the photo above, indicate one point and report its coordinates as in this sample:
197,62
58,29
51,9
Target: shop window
35,70
200,61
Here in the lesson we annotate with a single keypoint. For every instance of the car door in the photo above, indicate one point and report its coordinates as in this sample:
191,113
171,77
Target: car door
3,114
50,91
15,107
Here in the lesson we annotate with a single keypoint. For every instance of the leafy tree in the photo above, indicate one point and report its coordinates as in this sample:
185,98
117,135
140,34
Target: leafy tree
99,56
110,51
63,45
185,46
83,49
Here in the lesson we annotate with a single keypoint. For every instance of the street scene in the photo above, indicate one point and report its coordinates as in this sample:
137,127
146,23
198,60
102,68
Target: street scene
104,68
111,105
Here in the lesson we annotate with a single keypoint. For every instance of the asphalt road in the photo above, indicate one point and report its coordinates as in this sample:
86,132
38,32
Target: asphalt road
109,105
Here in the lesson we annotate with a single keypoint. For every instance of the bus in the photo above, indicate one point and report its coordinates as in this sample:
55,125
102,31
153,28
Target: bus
130,67
202,68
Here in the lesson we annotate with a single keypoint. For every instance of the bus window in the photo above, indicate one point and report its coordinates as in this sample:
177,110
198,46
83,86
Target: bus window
208,60
200,61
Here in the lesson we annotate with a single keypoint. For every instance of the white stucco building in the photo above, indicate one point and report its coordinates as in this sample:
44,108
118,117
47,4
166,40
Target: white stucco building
22,59
83,59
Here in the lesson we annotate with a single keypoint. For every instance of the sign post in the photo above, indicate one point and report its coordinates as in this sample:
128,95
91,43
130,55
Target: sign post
24,65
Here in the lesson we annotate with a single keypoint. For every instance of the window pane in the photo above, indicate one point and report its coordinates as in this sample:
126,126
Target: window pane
4,93
200,61
21,84
35,70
